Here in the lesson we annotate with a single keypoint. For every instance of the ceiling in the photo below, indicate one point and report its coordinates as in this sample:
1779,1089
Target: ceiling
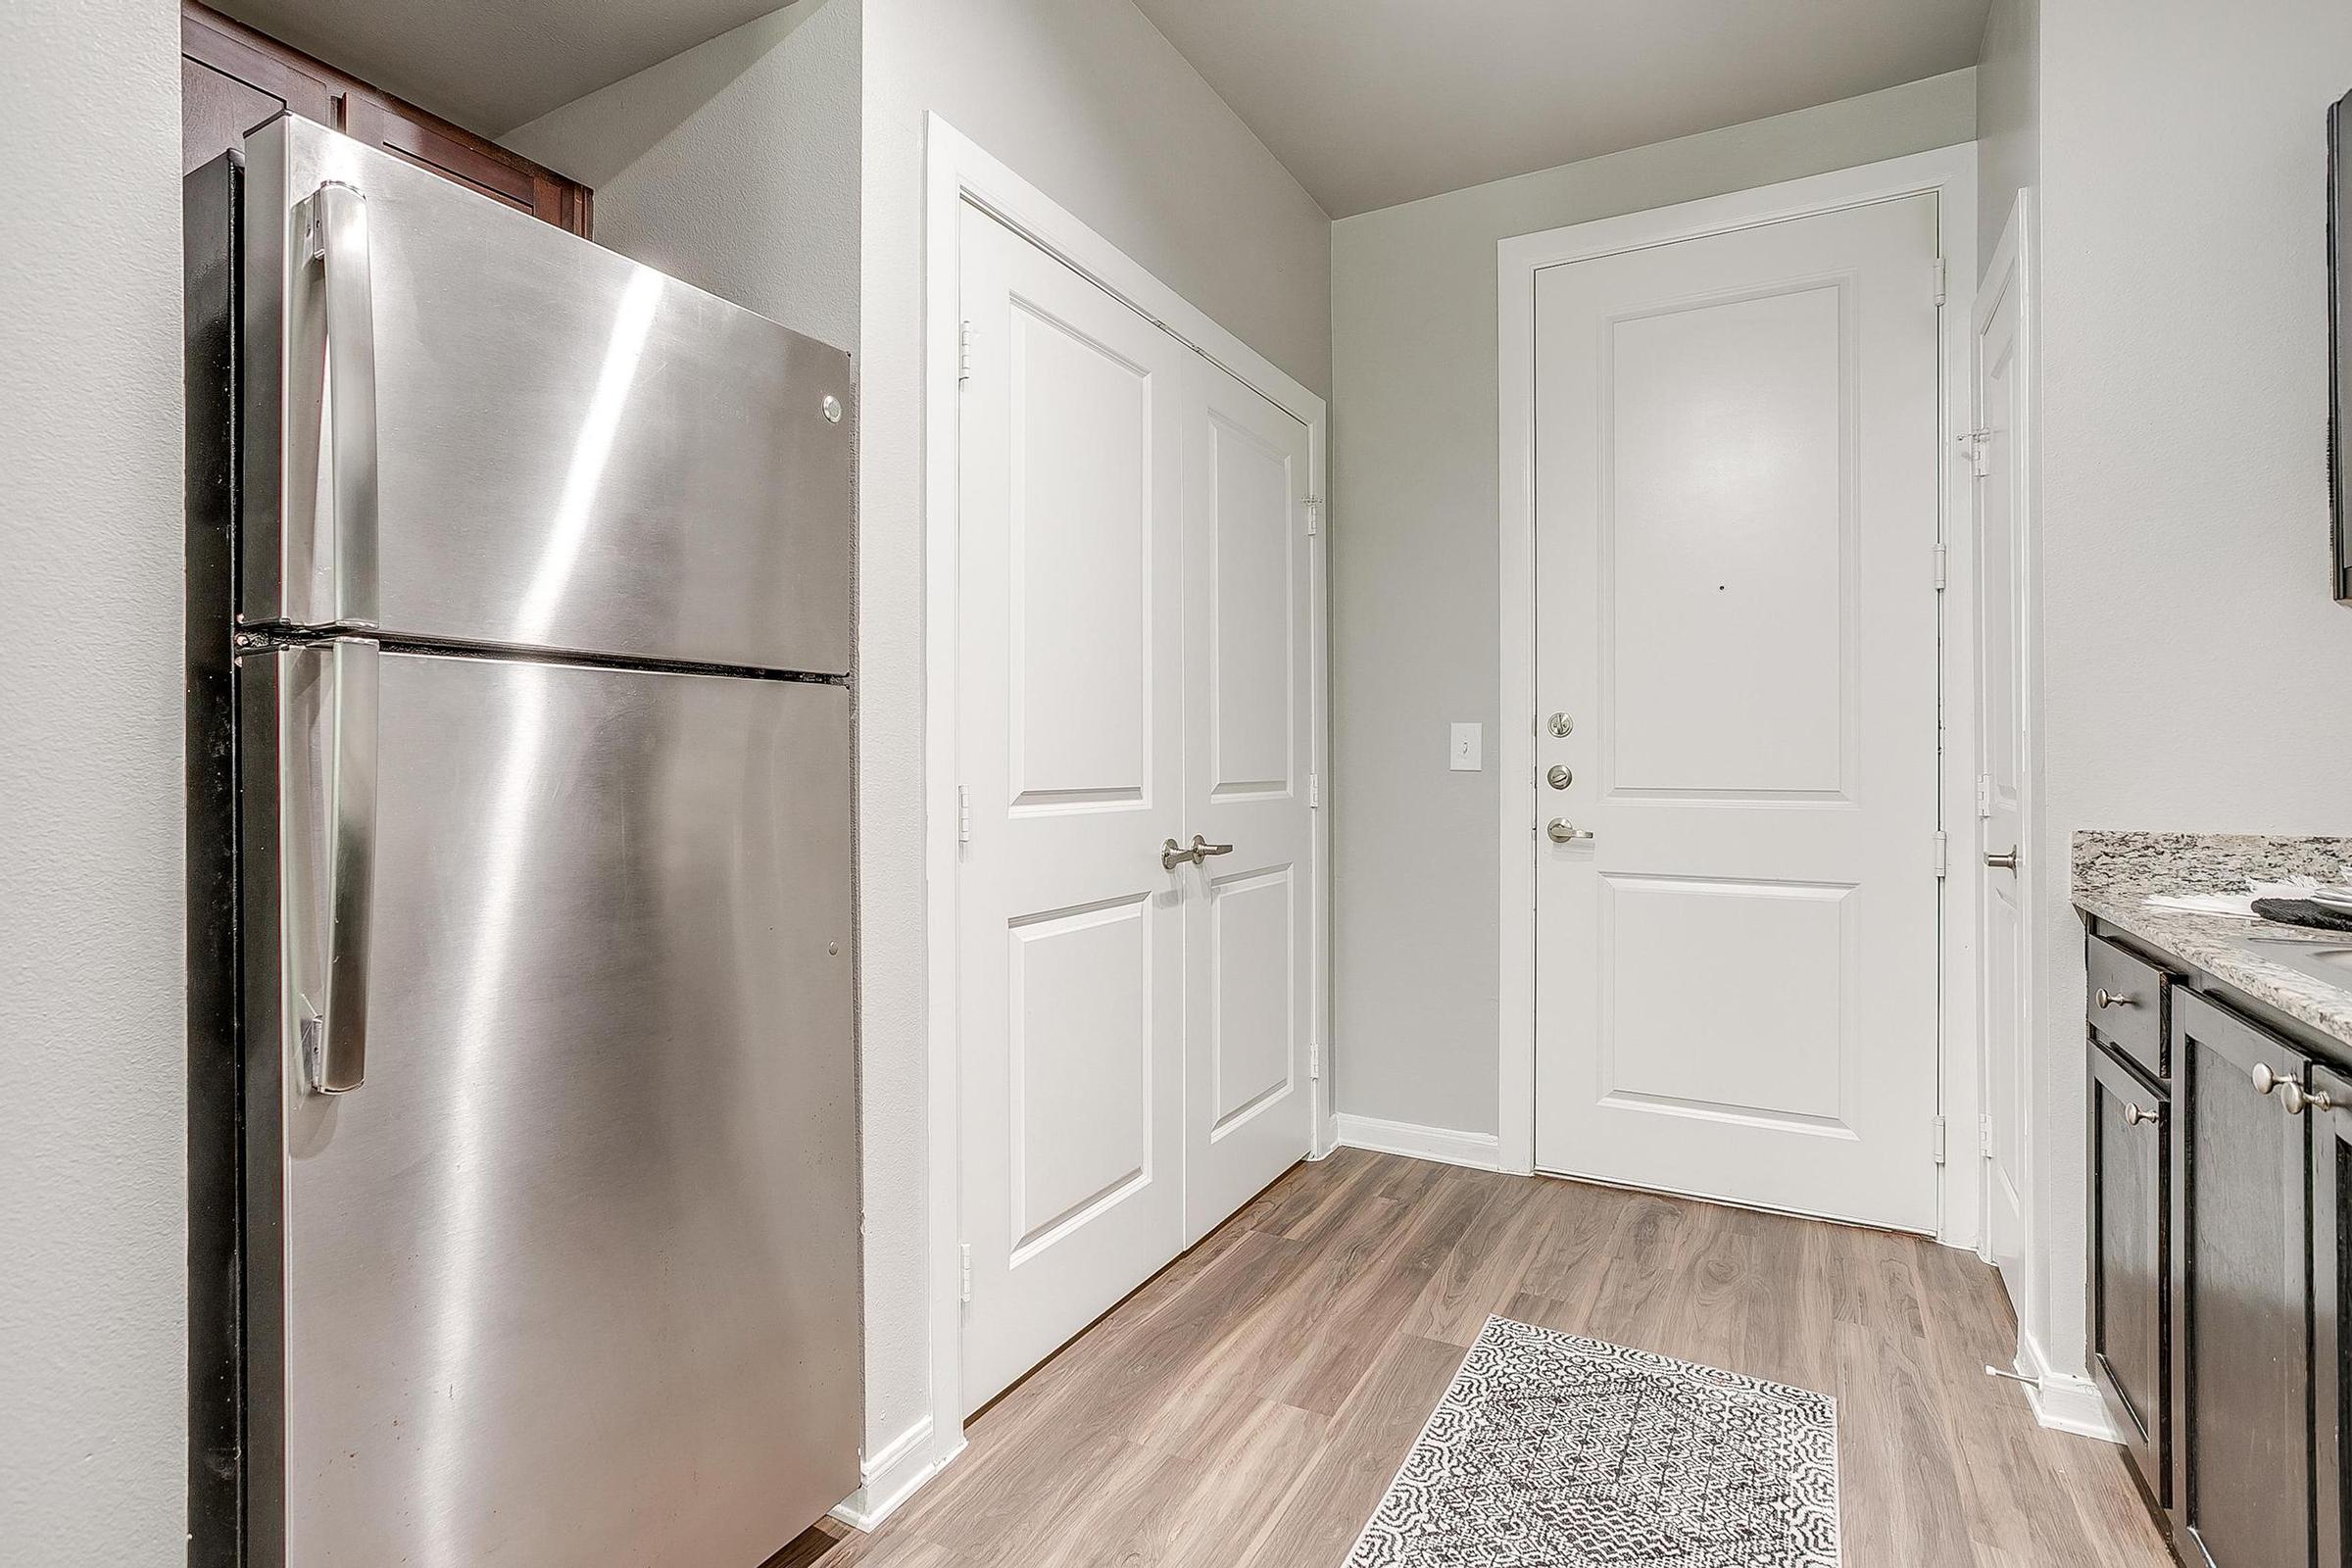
492,64
1374,102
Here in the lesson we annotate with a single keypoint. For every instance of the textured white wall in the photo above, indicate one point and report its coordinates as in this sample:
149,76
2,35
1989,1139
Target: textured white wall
2008,116
781,166
1415,557
1085,99
733,165
2197,675
93,1189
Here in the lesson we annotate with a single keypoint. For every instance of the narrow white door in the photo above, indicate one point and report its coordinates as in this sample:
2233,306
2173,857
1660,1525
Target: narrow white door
1736,478
1070,747
1997,450
1249,936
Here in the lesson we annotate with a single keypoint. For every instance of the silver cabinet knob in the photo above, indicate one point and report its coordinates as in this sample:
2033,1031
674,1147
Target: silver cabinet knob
2002,862
1561,831
2266,1080
2108,999
2294,1097
2135,1114
1559,778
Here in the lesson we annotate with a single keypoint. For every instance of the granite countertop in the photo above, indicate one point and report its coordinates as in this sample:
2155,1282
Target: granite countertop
2113,871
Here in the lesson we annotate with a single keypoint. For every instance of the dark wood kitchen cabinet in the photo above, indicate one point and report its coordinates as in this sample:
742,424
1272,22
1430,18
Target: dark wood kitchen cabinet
2330,1293
2242,1461
233,78
2131,1168
2219,1265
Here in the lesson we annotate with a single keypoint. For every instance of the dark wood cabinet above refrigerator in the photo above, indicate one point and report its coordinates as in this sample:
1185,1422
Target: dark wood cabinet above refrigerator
234,79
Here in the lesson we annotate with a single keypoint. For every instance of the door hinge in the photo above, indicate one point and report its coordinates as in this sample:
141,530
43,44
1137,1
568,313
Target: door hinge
1939,1150
1314,792
1944,567
1314,516
964,354
1942,281
1315,1061
1983,795
963,814
964,1258
1944,853
1984,1137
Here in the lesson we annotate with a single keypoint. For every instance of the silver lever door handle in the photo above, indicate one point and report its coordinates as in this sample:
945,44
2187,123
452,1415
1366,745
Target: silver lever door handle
334,1033
1562,831
332,557
1172,855
2002,862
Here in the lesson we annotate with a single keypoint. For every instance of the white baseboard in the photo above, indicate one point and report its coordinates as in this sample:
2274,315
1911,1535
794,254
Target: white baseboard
2061,1400
1479,1151
895,1473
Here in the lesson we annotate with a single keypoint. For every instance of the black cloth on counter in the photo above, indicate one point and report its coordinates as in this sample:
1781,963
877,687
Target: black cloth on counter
2302,912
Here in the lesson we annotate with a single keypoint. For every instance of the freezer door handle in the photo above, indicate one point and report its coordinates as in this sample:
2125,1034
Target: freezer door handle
334,1015
331,510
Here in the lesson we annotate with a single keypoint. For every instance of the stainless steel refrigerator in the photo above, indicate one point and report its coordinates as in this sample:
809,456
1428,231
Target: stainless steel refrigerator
523,1154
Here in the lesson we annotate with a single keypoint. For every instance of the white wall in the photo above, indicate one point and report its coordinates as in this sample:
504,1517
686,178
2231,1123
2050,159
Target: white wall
2008,116
1415,559
1085,99
2197,674
733,165
93,1263
782,166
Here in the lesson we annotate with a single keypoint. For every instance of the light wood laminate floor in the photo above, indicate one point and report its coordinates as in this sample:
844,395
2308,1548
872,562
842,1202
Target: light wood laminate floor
1248,1407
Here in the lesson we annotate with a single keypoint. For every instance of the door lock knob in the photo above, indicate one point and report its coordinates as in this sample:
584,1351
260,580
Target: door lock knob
1562,831
1559,778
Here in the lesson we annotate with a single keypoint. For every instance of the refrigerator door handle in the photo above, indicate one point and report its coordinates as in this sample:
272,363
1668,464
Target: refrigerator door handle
332,518
334,1016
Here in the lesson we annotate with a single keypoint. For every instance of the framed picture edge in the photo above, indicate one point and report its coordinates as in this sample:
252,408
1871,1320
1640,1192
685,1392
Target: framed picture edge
2340,342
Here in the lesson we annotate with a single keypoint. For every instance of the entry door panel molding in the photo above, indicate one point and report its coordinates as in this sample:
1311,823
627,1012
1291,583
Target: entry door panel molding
1735,503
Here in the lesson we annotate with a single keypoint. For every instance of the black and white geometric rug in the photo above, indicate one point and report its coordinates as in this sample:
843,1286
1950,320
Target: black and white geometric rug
1554,1452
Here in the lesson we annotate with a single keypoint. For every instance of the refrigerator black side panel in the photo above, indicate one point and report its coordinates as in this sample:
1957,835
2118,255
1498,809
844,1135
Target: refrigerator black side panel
216,1415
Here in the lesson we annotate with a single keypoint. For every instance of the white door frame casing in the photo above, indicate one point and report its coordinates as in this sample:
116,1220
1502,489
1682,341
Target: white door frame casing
957,171
1949,173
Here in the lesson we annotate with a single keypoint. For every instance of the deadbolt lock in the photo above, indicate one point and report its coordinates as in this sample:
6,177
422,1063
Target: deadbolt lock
1560,725
1559,778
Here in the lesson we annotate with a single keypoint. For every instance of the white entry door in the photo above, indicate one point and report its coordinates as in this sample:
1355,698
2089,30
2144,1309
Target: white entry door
1736,470
1133,673
1996,451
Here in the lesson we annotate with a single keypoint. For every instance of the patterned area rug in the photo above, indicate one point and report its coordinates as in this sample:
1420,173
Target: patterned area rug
1553,1452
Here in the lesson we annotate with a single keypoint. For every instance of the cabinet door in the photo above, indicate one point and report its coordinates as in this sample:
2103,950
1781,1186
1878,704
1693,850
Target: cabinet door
2130,1190
2330,1288
2241,1357
233,81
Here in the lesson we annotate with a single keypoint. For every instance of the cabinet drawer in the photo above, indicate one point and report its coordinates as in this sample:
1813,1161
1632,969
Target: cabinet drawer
2126,1001
2131,1263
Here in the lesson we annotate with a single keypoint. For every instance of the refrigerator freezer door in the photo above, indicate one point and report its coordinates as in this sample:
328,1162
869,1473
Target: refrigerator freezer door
572,1278
569,451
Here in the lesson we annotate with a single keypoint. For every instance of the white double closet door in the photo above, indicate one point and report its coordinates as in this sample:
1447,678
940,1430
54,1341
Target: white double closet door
1134,626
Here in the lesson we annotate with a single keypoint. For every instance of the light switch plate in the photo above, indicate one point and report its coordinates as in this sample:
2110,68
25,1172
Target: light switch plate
1468,754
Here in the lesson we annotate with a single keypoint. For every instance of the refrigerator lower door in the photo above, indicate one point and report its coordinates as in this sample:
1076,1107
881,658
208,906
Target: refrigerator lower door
570,1277
463,426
